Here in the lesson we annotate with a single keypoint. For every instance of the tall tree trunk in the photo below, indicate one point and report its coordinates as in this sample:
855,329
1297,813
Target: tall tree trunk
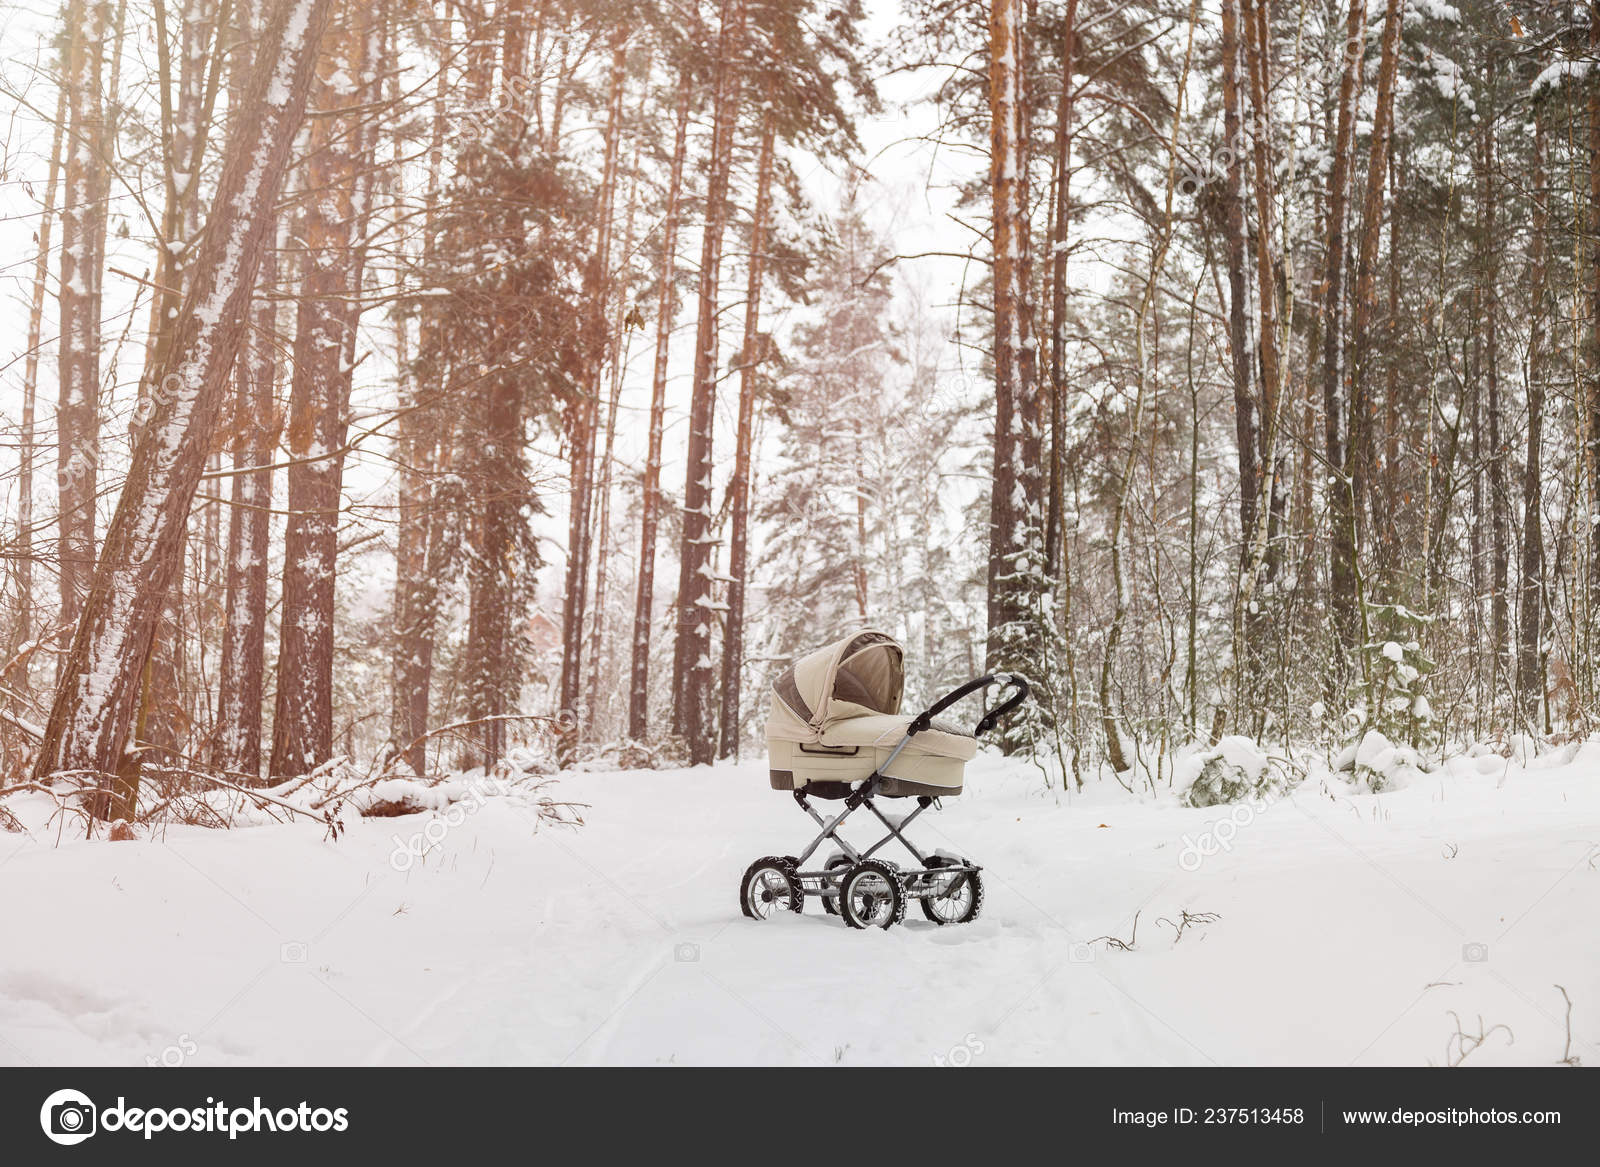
1530,602
1058,532
82,233
592,702
1341,544
237,739
1268,259
426,527
739,488
425,551
1354,472
1499,503
1474,623
650,495
1387,494
583,414
326,316
1061,216
202,37
22,629
1261,542
96,700
1015,562
1242,365
498,470
163,718
693,707
1591,406
584,423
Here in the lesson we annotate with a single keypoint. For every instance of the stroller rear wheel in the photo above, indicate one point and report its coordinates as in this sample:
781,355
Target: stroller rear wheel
955,899
873,895
769,886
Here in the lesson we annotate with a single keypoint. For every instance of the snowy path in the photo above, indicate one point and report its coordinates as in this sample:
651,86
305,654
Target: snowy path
1345,931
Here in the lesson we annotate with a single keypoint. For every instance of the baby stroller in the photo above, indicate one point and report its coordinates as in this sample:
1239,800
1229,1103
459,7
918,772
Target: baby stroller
836,732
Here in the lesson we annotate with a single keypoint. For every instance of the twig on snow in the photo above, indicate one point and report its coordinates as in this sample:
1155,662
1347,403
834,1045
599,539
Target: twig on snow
1568,1058
1117,942
1188,919
1465,1043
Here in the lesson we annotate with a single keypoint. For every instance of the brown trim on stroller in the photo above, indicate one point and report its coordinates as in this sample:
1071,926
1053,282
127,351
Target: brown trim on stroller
900,788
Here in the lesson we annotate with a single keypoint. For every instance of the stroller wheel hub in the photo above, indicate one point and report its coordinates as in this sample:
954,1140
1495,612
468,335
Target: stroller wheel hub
770,886
873,895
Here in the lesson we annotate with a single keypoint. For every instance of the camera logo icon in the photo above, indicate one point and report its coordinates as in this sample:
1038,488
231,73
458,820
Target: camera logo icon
292,952
68,1117
1475,953
686,953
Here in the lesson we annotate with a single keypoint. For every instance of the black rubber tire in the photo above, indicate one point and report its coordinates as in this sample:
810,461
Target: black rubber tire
842,861
890,874
781,863
971,913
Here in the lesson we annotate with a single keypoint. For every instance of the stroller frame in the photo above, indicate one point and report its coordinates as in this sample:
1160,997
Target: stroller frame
930,880
919,885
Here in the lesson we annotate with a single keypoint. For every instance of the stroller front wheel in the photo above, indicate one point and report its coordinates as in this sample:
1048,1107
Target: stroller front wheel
953,899
770,886
873,895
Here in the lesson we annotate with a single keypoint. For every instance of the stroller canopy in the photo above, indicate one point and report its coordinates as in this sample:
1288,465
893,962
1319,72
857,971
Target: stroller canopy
860,675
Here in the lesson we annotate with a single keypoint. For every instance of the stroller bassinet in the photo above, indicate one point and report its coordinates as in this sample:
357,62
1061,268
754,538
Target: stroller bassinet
836,720
835,731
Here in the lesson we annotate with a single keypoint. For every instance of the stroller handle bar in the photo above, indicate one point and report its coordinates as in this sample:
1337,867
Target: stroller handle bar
1019,694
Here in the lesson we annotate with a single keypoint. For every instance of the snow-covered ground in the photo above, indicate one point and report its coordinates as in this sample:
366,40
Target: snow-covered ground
1349,928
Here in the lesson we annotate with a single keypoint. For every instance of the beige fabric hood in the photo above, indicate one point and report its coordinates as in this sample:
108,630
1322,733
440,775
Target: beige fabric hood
862,674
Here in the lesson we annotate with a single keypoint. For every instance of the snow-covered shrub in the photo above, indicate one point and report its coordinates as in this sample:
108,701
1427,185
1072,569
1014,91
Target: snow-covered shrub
1234,770
632,755
393,797
1378,764
1391,715
1522,749
1393,701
